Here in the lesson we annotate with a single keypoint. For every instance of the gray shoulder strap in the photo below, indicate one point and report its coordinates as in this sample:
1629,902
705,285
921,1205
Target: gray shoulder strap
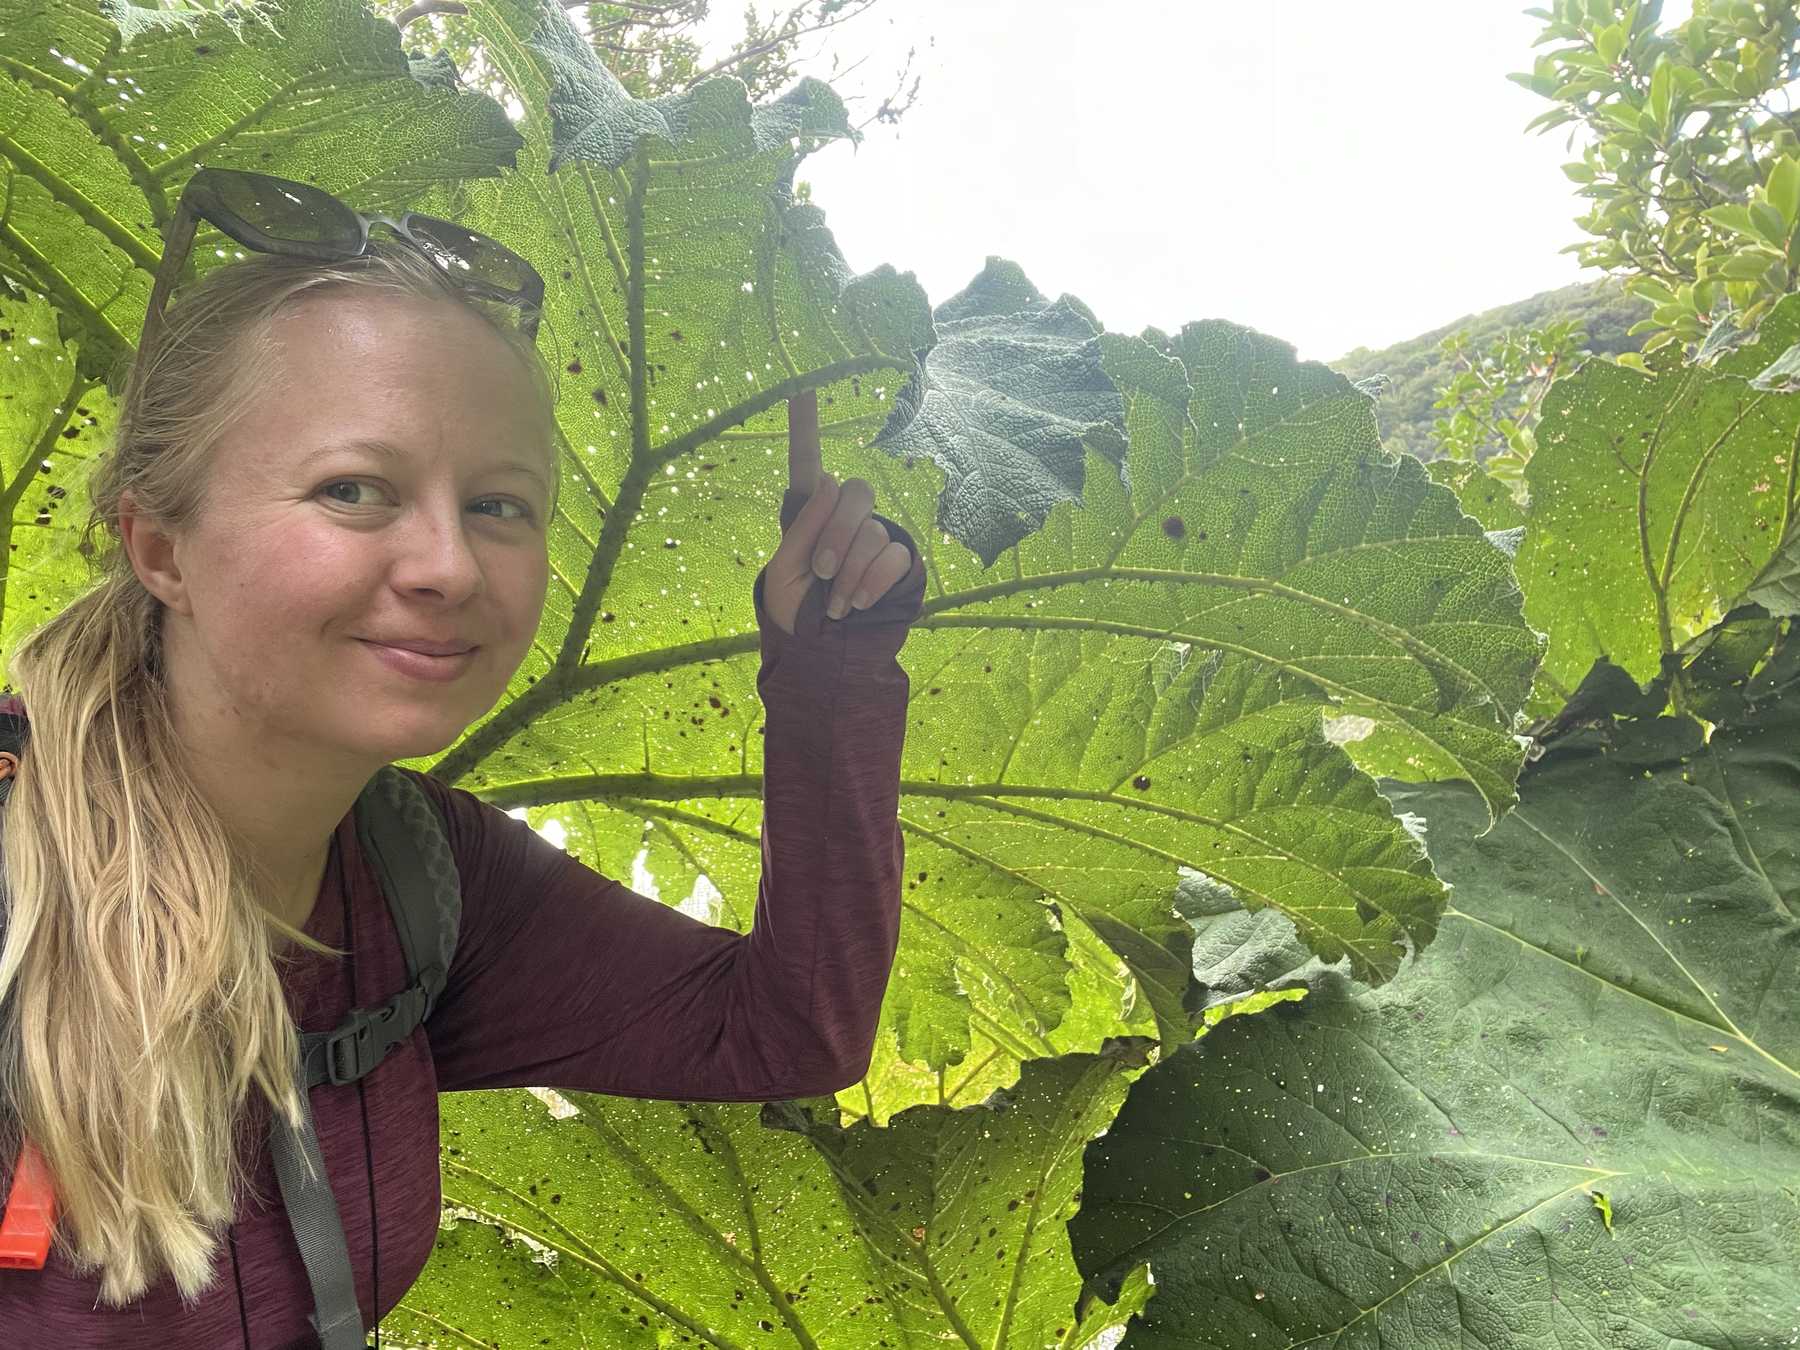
403,836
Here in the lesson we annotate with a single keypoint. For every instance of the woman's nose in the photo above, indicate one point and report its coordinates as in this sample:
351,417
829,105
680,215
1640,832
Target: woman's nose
436,553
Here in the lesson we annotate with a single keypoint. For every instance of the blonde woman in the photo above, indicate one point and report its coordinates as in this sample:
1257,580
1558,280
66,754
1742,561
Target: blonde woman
330,487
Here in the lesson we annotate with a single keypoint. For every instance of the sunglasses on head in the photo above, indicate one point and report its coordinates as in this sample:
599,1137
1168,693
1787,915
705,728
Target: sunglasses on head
278,215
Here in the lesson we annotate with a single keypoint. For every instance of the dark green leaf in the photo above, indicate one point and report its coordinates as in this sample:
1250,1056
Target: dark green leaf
1575,1122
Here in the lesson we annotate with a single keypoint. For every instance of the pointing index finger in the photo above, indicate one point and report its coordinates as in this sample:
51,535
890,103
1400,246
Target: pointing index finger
804,460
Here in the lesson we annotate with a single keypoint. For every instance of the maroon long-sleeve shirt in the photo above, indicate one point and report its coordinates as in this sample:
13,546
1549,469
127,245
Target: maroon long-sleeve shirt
567,978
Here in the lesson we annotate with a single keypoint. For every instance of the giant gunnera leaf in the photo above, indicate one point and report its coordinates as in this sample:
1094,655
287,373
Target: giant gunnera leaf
52,418
624,1223
1286,570
1575,1123
109,107
1659,501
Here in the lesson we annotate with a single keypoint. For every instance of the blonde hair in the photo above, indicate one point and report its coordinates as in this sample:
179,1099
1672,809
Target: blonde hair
140,998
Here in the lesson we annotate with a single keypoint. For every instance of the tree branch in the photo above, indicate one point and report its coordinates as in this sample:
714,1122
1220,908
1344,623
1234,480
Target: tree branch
782,38
421,8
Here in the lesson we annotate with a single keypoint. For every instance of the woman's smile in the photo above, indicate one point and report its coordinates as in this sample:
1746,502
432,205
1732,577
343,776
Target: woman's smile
419,665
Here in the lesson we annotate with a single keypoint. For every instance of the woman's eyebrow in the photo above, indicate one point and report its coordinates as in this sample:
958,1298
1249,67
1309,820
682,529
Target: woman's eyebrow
389,451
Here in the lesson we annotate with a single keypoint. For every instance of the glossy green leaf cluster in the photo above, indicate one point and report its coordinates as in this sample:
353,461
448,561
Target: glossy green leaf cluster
1691,161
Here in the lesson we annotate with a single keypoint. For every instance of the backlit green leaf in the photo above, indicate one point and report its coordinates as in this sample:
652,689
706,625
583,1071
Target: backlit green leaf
627,1222
1656,502
52,418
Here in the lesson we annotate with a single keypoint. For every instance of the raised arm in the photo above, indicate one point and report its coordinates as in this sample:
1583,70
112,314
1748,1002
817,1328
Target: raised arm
566,978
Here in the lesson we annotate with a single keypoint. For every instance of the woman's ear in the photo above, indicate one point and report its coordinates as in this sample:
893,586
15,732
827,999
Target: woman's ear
152,555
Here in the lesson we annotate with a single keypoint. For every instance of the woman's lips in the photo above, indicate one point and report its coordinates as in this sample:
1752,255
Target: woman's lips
420,666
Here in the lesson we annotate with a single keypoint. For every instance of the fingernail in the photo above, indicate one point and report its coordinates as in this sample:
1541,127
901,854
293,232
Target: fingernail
825,564
837,608
860,600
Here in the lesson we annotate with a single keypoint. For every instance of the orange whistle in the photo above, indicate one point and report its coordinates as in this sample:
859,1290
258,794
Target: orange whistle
30,1213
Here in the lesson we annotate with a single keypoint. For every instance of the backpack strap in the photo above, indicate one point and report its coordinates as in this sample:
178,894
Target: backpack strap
14,732
403,836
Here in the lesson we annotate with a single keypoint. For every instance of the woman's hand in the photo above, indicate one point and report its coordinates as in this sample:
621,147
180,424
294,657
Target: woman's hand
832,537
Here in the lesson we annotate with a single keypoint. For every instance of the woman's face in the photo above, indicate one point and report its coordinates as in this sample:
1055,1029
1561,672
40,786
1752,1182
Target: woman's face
310,547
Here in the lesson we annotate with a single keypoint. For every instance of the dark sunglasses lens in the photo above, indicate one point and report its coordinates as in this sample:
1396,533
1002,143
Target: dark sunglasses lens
289,210
470,256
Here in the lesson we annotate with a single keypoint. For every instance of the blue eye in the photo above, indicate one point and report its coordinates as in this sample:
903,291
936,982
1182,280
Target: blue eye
525,512
346,482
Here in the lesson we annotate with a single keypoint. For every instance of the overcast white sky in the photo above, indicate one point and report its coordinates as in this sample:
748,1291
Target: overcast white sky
1333,174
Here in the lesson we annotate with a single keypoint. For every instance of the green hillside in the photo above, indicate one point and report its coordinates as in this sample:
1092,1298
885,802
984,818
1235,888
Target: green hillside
1418,369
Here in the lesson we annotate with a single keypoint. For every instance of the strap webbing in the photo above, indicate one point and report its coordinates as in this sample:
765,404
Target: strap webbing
312,1210
401,832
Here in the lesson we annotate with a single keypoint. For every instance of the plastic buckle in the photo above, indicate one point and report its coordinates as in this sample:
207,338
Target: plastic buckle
30,1213
356,1041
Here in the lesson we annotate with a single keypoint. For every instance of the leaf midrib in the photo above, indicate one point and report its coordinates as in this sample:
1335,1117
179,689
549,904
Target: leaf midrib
1715,1028
1143,1243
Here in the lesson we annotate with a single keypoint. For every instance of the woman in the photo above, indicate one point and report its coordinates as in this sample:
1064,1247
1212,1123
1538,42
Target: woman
314,459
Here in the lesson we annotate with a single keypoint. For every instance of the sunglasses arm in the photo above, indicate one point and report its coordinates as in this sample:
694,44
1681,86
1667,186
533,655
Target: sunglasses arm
176,252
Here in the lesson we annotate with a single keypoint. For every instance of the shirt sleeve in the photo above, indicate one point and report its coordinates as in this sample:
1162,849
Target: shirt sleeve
566,978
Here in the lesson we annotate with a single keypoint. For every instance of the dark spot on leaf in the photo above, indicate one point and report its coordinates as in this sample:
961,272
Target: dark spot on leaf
600,397
1263,1174
575,366
1175,527
1141,783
